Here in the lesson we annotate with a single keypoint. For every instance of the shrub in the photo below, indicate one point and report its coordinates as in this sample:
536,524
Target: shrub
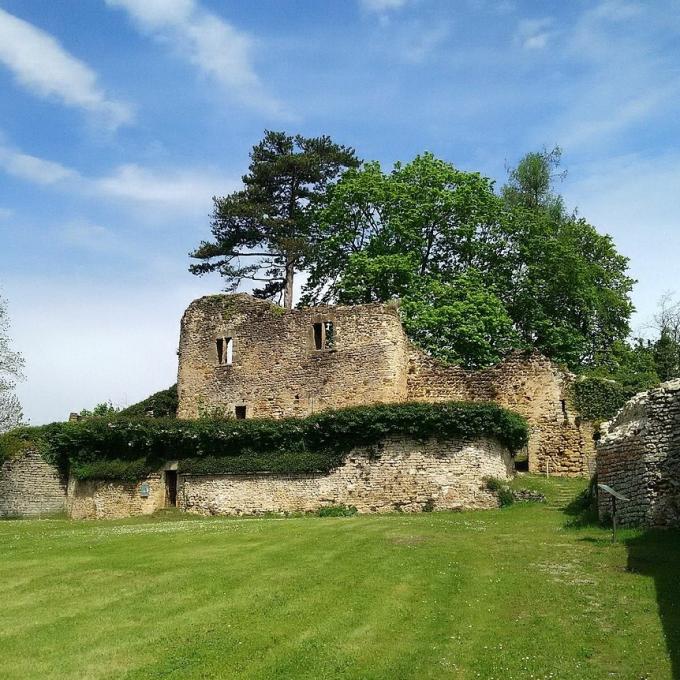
501,489
506,497
14,443
162,404
121,447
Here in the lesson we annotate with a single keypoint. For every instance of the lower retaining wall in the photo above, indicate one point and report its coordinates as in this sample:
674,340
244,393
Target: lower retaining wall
399,474
30,487
104,499
402,474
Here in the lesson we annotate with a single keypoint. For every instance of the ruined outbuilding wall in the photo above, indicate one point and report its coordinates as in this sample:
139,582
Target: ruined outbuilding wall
527,383
277,372
30,487
400,474
639,456
105,499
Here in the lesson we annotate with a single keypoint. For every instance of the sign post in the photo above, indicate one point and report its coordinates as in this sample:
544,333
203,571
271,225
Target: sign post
615,495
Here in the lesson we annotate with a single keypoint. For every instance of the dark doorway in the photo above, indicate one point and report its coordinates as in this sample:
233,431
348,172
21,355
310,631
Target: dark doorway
240,412
171,488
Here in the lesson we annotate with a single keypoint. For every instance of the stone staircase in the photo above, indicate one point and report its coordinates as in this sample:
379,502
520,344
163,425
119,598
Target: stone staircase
562,494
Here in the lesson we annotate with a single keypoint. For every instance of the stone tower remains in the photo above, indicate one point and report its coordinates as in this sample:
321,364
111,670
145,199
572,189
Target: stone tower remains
250,358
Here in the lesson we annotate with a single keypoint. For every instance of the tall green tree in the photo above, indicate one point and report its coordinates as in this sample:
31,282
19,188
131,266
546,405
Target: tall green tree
461,322
667,356
667,345
570,292
563,285
631,364
531,183
262,232
377,232
11,370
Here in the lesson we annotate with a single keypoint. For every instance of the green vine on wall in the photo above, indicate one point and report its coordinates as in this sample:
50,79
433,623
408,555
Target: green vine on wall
598,399
129,448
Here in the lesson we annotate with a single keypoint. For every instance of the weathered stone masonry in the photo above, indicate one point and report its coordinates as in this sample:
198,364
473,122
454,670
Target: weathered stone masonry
278,364
276,370
398,474
639,456
406,475
105,499
30,487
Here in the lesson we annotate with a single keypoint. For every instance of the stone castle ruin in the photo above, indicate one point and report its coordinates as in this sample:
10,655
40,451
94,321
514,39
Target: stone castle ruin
639,456
250,358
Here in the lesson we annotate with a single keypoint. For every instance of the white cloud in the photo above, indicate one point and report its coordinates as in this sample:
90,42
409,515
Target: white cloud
626,77
6,213
214,46
602,122
421,43
43,66
185,191
87,341
533,34
381,6
32,168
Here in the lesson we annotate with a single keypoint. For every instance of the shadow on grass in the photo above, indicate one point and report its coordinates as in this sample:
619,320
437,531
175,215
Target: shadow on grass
582,511
656,553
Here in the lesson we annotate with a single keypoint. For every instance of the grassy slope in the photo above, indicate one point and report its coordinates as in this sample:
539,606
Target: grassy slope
499,594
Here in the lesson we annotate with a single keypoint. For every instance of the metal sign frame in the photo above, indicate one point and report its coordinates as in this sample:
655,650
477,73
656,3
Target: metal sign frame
614,495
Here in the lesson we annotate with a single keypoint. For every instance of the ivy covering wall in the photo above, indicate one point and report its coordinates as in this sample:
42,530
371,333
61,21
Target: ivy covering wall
128,448
598,398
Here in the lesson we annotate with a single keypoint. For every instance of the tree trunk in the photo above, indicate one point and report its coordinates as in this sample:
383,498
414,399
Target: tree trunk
288,290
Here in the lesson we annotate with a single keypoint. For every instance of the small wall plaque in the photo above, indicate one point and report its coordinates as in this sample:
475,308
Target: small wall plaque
144,489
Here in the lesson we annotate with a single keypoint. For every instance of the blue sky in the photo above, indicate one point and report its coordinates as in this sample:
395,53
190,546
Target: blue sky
119,119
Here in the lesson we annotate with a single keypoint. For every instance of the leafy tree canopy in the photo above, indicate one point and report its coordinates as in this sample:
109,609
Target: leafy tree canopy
429,233
461,322
261,233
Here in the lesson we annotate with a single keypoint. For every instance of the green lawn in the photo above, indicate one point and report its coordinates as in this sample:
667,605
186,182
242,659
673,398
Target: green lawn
524,592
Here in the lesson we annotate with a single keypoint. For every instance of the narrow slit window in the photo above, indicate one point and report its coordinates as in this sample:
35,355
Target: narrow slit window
329,335
225,351
318,336
324,335
240,412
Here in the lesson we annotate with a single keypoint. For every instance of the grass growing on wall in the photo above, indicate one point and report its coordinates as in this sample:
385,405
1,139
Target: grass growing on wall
518,593
126,448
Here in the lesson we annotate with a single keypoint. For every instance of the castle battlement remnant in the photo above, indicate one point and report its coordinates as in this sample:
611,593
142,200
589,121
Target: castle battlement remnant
250,358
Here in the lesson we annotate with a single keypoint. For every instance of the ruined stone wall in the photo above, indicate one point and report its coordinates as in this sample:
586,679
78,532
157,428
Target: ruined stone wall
405,475
30,487
105,499
398,474
527,383
276,370
639,456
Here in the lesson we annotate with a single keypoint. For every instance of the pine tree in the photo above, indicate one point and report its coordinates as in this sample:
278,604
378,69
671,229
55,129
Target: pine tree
269,220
